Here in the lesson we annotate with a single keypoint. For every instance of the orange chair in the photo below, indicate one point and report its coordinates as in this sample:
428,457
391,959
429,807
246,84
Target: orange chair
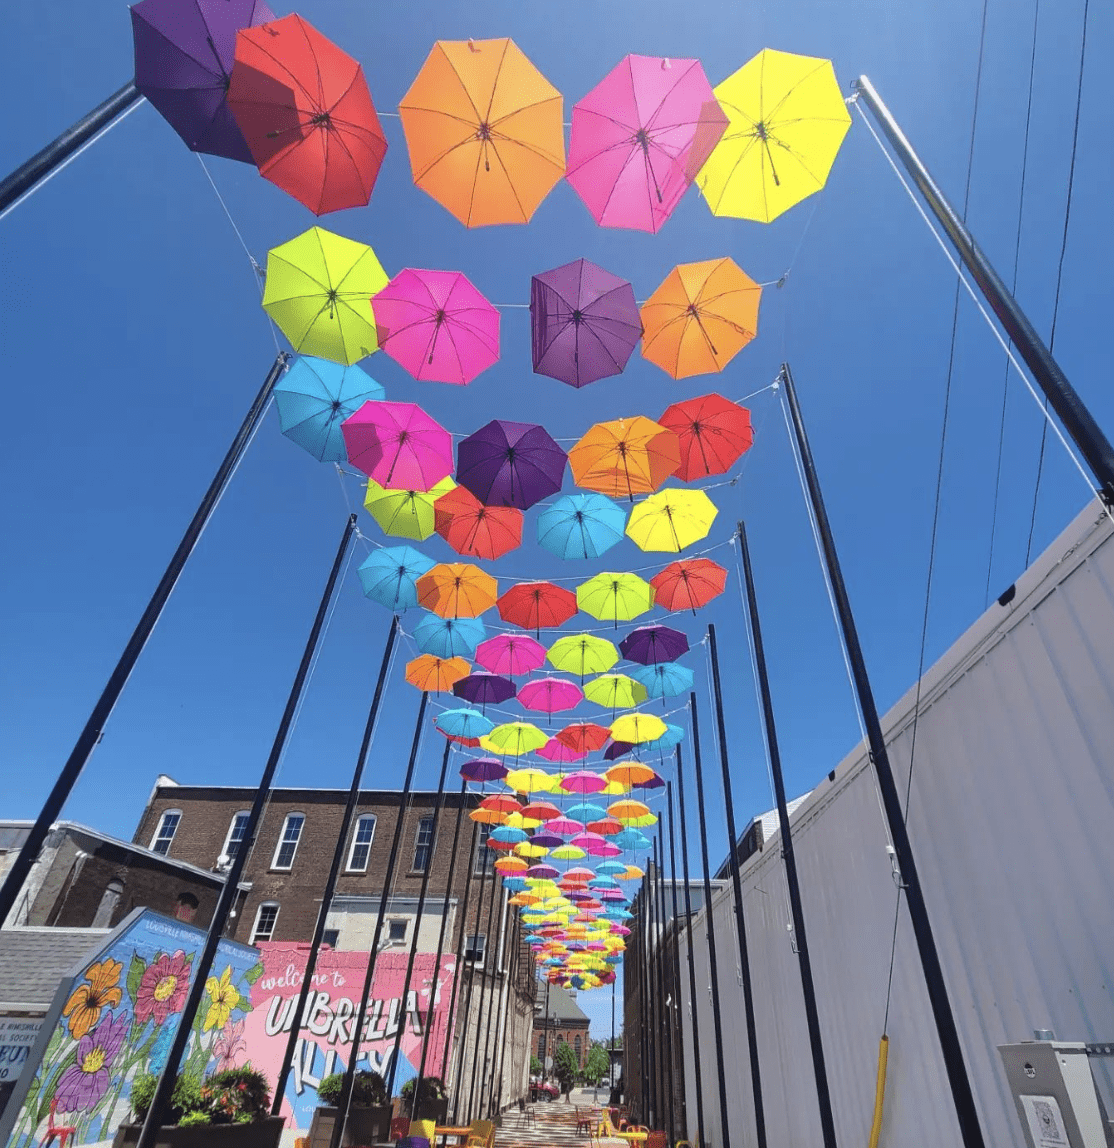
59,1132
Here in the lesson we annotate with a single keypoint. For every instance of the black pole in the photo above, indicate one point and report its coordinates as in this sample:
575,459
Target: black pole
458,973
509,979
647,1005
611,1051
1062,397
160,1102
677,967
479,1067
94,727
487,1078
808,987
458,1076
666,1072
962,1094
655,997
42,163
334,871
344,1102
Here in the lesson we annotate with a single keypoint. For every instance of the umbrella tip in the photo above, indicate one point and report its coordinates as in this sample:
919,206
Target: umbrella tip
472,45
666,64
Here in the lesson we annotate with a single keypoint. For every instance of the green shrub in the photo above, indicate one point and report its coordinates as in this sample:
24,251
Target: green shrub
236,1096
430,1089
369,1090
194,1120
185,1098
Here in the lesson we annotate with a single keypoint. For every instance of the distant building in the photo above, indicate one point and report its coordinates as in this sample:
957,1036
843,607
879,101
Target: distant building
558,1019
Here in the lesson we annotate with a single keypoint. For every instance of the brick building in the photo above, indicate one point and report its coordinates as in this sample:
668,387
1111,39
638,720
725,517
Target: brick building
558,1019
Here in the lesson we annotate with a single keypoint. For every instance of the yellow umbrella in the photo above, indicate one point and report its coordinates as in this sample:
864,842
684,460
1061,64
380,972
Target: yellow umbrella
568,853
786,122
637,728
529,849
615,691
528,779
614,789
671,520
405,513
582,654
613,597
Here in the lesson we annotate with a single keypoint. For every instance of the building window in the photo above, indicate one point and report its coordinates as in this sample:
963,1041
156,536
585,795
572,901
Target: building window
362,837
330,937
288,840
485,858
234,842
423,844
474,949
187,907
164,835
576,1047
265,918
541,1048
109,900
396,932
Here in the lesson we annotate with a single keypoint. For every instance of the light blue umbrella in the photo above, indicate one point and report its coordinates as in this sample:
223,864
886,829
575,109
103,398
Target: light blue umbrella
610,868
672,738
631,839
315,397
586,811
509,834
390,575
449,637
581,526
665,680
463,723
603,883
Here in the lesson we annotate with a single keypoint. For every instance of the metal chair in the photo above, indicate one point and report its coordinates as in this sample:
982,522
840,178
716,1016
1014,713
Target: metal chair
61,1132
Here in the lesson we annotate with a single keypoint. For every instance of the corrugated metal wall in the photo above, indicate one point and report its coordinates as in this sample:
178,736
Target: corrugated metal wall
1012,821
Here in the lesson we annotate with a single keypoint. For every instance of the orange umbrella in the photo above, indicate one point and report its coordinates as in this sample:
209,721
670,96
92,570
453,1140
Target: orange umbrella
457,590
700,318
625,457
469,527
630,773
436,675
484,131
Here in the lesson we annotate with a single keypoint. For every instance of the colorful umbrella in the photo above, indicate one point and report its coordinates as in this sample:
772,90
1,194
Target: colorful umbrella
550,695
632,840
512,654
565,827
713,433
481,689
652,644
632,774
318,291
449,637
405,513
581,526
612,597
435,675
638,139
625,457
666,680
585,811
389,576
533,605
541,811
617,749
582,781
637,728
457,590
558,752
484,131
483,769
510,464
398,445
513,739
509,836
594,845
469,527
515,865
700,318
615,691
437,326
786,120
306,113
688,584
584,322
183,58
671,520
528,779
582,654
463,723
584,736
315,397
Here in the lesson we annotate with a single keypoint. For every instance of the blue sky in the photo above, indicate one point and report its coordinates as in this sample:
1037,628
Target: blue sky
134,341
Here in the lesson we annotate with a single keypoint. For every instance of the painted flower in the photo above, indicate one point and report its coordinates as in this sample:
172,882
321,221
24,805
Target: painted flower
224,997
85,1083
162,990
229,1044
100,990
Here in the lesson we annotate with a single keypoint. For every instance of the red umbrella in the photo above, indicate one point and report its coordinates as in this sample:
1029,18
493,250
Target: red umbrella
713,433
469,527
306,113
533,605
584,736
687,584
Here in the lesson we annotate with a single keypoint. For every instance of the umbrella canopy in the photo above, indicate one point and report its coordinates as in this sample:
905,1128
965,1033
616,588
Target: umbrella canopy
581,781
437,326
637,728
483,769
480,689
435,675
630,773
306,113
672,737
700,318
639,137
449,637
533,605
469,527
507,835
484,131
786,121
457,590
605,826
612,597
390,576
527,780
318,292
617,749
513,654
183,60
405,513
584,323
615,691
582,654
671,520
550,695
632,840
688,584
510,464
513,739
314,397
585,736
558,752
625,457
666,680
713,433
463,723
541,811
398,445
651,644
581,526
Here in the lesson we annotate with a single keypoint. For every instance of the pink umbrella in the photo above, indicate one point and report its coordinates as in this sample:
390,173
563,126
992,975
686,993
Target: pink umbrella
398,445
437,326
557,751
550,695
639,137
592,844
583,781
546,871
566,827
619,930
511,654
580,873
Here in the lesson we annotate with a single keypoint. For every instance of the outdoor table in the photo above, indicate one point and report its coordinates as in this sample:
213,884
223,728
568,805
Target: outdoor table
459,1134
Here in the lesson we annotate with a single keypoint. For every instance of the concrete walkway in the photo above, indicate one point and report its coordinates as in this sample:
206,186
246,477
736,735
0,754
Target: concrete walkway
555,1126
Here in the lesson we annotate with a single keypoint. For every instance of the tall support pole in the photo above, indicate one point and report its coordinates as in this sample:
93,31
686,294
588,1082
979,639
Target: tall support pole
963,1095
491,956
344,1102
458,1085
675,948
458,972
160,1102
509,980
94,727
666,1071
646,1021
808,988
611,1050
1062,397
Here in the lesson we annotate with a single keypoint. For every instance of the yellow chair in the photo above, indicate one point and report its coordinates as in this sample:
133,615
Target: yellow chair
482,1134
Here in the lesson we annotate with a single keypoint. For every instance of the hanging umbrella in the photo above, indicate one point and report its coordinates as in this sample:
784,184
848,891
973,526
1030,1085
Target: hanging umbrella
510,464
581,526
638,139
183,58
405,513
594,845
631,773
435,675
617,749
557,752
550,695
567,853
625,457
582,781
671,520
483,769
398,445
390,575
507,836
514,865
688,584
582,654
487,816
633,841
306,113
786,121
457,590
463,723
637,728
437,326
666,680
629,811
605,826
612,597
511,654
586,811
318,291
315,397
533,605
513,739
615,691
469,527
449,637
484,131
651,644
672,737
700,318
481,689
713,433
584,736
565,826
527,779
546,840
501,803
584,322
541,811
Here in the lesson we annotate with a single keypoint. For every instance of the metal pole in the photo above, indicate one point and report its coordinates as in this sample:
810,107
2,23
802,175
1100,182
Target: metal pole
666,1072
1047,374
344,1102
94,727
458,1080
962,1094
334,870
676,963
458,972
160,1102
42,163
479,1070
509,978
646,1055
808,988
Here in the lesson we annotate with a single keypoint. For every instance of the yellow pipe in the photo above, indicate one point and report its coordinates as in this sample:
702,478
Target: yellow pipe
879,1090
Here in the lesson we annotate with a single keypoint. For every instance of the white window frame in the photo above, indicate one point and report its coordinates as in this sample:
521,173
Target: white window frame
483,864
428,845
471,948
231,827
282,841
351,867
158,834
255,938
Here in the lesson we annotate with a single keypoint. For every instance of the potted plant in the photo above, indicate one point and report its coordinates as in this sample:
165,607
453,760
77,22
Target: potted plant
369,1115
230,1109
433,1099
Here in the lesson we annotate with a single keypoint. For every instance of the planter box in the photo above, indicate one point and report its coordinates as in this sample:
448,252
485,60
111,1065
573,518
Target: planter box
260,1134
365,1126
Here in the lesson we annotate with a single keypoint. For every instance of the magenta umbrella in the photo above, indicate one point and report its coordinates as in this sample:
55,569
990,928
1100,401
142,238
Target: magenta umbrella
594,844
545,871
557,751
550,695
511,654
398,445
565,826
639,137
583,781
437,326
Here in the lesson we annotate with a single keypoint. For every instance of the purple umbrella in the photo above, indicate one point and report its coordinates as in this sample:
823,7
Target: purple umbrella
483,769
653,644
585,323
618,749
480,688
510,464
183,59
